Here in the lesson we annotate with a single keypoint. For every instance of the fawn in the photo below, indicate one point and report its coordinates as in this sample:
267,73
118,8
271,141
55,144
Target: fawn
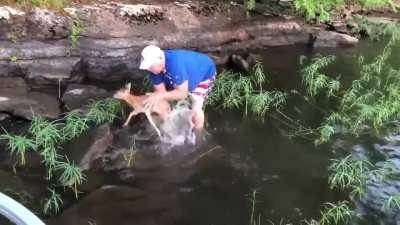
136,102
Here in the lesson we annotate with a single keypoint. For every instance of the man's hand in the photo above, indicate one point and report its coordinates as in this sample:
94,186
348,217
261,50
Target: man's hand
152,100
180,92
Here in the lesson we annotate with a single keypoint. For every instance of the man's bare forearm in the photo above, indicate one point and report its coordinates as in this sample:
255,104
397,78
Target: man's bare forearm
176,94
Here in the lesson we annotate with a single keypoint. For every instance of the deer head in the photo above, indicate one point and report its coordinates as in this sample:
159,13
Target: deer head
124,92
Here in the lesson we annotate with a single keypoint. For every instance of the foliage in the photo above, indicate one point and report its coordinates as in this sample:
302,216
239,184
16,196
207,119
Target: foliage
393,202
253,205
57,4
76,30
13,58
352,174
320,9
130,157
373,29
46,136
18,145
339,213
370,105
317,9
71,175
245,92
317,82
372,102
53,203
103,111
349,173
250,5
75,125
376,3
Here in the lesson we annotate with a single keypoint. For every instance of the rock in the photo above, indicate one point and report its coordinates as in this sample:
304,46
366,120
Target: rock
390,151
243,62
4,116
25,191
121,205
333,39
37,61
7,12
102,141
16,99
380,20
108,49
380,187
247,166
139,12
33,50
30,104
14,85
340,27
52,26
135,153
394,139
78,95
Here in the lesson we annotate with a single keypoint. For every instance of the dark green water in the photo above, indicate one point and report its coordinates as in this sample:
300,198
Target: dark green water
289,175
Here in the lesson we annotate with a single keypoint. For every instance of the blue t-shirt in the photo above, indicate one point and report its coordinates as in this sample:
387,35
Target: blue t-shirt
184,65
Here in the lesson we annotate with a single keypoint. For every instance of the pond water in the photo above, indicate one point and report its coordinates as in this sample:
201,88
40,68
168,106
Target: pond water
240,156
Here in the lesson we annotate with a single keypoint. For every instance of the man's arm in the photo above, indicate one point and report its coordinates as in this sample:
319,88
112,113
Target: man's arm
180,92
159,88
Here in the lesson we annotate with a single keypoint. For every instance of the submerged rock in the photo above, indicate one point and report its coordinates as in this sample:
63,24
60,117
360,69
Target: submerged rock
244,63
26,191
121,205
103,139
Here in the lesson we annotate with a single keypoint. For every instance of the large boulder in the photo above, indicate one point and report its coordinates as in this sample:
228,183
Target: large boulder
39,61
51,24
333,39
27,106
14,85
16,99
78,95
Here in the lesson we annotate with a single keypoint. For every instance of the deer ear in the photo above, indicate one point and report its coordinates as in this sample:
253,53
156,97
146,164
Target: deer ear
128,86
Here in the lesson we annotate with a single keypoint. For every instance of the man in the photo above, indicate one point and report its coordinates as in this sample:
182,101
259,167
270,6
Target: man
175,74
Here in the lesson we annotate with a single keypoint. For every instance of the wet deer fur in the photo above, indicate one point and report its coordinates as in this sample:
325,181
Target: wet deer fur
162,108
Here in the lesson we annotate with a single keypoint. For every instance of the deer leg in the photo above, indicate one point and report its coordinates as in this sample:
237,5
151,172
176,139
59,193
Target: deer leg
133,113
148,115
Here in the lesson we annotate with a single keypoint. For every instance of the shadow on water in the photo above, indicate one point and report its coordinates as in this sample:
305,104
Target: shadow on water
212,183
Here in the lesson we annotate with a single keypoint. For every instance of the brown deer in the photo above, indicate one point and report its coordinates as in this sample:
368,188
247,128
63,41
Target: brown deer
162,108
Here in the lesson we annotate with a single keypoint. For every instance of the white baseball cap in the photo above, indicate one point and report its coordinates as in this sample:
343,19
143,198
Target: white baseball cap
150,55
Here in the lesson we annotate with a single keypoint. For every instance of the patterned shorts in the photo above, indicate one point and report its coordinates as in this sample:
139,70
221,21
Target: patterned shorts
203,89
